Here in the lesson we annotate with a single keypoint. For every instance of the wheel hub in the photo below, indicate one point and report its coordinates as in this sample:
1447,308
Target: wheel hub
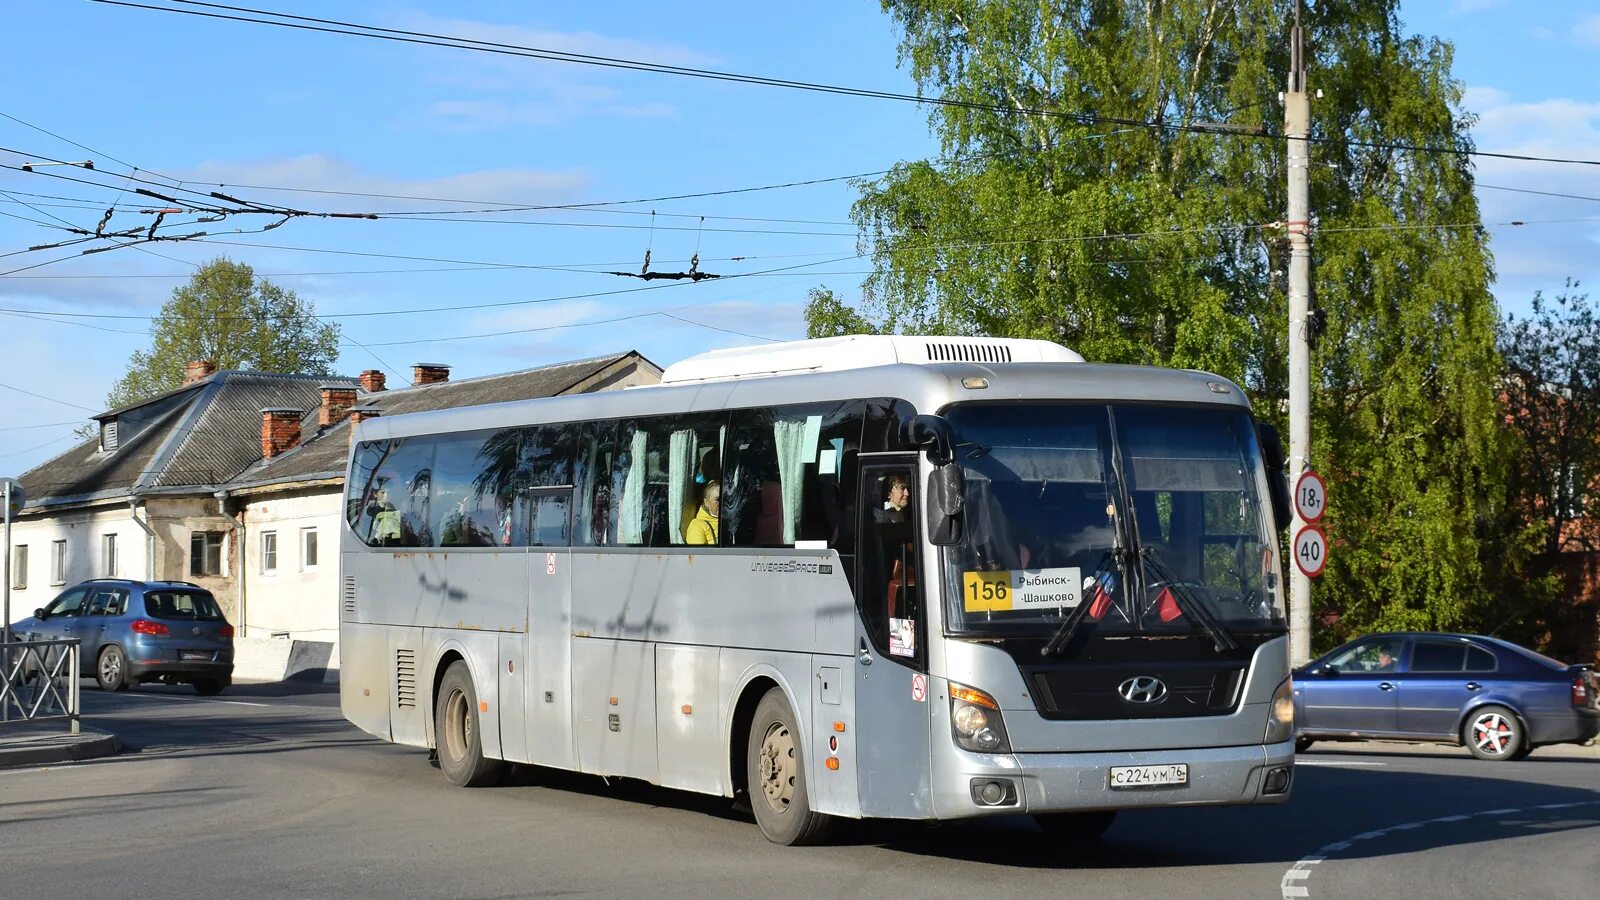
776,766
1492,733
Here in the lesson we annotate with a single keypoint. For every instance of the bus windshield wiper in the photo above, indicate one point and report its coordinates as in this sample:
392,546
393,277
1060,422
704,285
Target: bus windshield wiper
1080,613
1188,602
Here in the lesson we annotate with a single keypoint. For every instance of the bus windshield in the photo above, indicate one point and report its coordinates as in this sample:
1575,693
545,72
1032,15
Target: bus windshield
1156,516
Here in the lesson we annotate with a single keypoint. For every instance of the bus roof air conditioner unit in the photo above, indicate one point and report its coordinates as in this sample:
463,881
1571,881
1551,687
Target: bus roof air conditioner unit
860,352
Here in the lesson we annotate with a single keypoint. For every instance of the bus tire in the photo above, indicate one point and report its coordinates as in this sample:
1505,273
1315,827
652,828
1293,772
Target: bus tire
456,732
776,773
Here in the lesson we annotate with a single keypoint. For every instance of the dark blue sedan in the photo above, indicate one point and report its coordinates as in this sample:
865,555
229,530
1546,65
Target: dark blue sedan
1497,699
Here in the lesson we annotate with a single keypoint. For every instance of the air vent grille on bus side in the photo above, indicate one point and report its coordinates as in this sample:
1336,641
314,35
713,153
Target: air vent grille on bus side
405,678
988,353
349,597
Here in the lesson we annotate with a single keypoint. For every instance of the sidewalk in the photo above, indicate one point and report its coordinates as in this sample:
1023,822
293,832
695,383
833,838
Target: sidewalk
44,743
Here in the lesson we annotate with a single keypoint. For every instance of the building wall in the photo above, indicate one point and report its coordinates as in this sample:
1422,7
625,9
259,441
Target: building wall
82,530
174,520
295,600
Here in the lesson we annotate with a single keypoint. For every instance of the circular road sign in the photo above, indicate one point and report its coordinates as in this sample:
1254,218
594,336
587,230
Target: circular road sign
1311,551
1310,497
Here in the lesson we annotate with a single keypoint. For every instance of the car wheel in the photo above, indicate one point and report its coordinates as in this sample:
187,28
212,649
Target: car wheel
111,670
1084,826
775,771
457,732
1493,732
209,687
1301,745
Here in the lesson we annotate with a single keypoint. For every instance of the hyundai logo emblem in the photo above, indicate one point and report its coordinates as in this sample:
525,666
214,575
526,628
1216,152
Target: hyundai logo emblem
1143,689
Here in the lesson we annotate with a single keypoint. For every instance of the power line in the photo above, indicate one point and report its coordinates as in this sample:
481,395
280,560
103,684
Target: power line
39,447
46,425
51,399
373,32
1496,187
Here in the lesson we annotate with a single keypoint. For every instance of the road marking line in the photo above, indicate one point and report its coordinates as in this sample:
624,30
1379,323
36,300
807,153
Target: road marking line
172,699
1298,872
1336,762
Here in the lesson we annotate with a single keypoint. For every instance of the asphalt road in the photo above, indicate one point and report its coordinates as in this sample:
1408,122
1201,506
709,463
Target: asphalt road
263,793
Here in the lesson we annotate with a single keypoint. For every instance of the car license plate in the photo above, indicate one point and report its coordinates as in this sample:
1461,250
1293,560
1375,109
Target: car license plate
194,654
1174,775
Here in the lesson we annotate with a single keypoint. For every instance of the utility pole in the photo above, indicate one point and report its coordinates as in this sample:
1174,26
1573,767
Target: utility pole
1297,127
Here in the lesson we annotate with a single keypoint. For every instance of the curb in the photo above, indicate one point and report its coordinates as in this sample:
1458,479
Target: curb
46,749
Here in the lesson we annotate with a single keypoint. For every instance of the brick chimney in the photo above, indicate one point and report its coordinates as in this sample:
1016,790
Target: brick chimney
280,430
429,373
372,381
199,369
362,413
336,402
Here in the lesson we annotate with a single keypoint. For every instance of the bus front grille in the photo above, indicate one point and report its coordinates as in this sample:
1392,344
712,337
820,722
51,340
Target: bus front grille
1166,690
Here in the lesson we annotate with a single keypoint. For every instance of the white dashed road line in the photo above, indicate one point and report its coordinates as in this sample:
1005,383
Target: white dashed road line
1336,762
1294,885
176,699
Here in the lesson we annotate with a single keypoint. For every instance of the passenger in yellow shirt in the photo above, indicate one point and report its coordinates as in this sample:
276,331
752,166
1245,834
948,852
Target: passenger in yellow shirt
703,527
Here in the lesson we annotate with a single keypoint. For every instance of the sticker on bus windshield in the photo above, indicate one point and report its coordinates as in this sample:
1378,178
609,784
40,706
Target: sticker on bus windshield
1021,589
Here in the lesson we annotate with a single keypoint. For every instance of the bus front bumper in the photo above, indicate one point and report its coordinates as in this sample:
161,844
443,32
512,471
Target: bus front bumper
1070,782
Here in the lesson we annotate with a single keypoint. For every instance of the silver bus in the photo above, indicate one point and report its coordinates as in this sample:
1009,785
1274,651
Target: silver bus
896,577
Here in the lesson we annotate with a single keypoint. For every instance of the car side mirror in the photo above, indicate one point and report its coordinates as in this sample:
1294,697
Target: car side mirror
1327,670
39,613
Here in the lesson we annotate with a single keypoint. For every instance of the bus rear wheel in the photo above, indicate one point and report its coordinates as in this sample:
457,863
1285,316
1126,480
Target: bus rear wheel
776,774
456,731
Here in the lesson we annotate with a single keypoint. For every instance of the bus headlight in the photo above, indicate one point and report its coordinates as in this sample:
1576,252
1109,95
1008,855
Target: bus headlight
975,721
1280,723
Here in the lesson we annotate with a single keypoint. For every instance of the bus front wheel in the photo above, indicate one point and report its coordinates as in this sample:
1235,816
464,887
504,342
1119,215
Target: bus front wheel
456,732
776,774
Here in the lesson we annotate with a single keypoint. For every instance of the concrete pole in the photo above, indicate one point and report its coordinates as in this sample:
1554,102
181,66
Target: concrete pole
1296,127
5,623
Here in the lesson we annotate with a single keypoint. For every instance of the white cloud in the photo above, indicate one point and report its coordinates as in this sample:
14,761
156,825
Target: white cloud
324,172
1587,31
539,92
1538,256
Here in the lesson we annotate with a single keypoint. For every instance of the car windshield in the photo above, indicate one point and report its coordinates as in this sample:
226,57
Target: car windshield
1155,515
181,605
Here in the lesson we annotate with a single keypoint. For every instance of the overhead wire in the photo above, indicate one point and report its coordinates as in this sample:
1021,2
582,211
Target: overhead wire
373,32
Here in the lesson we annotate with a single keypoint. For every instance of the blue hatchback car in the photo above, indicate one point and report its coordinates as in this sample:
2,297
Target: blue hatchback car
136,631
1497,699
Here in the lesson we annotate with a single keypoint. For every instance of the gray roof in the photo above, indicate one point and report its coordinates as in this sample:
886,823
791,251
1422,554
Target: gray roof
322,453
194,437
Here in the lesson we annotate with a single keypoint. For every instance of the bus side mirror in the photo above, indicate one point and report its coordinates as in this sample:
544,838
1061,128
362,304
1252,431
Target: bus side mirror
946,499
1277,479
931,434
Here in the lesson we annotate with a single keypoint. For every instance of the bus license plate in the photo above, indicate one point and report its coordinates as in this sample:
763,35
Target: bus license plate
1175,775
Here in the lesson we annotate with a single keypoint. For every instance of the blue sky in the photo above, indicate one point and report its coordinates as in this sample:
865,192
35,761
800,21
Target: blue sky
214,102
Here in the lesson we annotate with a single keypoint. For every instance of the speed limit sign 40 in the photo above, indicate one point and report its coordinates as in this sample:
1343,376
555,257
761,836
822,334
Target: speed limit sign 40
1311,551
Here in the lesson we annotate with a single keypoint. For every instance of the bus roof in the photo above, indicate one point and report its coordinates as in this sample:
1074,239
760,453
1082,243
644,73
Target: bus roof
928,387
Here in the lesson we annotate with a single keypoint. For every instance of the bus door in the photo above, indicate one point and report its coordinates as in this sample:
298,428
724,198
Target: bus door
548,698
892,697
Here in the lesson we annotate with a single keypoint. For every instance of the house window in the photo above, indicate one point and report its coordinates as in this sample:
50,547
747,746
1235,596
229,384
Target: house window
308,549
205,553
19,567
269,552
108,555
58,562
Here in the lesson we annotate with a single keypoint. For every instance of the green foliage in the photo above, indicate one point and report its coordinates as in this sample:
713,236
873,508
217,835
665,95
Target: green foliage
1140,245
827,317
227,315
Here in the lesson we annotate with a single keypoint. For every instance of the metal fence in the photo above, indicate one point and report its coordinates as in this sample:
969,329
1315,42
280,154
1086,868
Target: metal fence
39,681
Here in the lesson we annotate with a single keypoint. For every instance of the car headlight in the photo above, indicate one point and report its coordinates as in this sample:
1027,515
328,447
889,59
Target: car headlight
1280,721
975,721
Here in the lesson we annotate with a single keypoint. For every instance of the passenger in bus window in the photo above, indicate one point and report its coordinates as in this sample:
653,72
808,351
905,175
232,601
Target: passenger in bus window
385,518
703,527
897,493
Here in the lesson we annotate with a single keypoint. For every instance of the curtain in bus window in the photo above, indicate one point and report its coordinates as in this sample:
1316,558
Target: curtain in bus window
796,443
630,527
683,457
